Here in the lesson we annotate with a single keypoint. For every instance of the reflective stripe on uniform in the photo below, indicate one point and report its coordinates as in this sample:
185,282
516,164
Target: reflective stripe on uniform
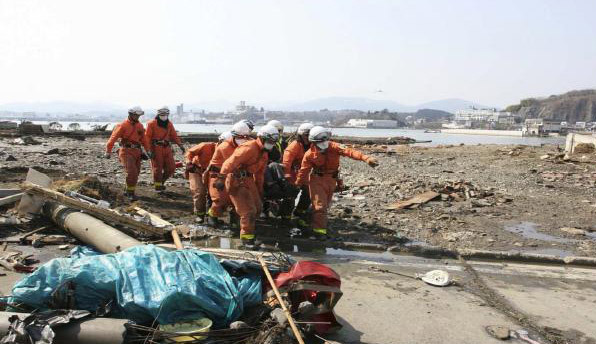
130,188
320,230
157,183
247,236
199,213
210,213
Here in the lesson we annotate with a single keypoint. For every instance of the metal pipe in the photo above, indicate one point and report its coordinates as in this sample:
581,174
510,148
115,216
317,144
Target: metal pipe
88,229
84,331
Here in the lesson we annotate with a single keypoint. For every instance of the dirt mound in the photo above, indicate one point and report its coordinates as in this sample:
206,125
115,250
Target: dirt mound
583,148
88,186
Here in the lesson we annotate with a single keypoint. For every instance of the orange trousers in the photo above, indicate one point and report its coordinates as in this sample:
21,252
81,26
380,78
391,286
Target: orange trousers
245,198
220,200
130,158
162,164
321,193
198,190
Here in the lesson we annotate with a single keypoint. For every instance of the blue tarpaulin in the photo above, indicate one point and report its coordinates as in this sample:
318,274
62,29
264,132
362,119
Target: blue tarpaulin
145,283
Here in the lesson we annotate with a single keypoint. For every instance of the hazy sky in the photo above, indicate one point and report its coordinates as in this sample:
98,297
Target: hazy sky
163,52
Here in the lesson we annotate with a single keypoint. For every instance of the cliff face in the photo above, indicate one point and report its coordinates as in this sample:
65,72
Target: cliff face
574,106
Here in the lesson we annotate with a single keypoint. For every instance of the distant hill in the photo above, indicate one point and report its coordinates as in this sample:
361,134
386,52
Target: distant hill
450,105
574,106
432,114
345,103
329,103
365,104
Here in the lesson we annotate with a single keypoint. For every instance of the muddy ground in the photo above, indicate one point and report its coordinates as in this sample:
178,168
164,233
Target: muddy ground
492,197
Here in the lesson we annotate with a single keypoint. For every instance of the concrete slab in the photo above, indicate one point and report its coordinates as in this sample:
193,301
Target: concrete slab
557,297
385,308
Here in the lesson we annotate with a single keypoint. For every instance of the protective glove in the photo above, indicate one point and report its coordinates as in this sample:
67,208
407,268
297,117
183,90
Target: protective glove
144,156
190,167
182,149
372,162
219,185
108,155
151,155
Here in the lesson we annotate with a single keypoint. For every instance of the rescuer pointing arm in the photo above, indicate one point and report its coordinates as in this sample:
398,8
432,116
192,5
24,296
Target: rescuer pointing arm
320,169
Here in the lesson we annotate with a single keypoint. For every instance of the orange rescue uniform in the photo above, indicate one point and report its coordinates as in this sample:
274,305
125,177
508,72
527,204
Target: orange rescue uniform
131,136
200,156
159,139
323,168
245,173
292,160
219,199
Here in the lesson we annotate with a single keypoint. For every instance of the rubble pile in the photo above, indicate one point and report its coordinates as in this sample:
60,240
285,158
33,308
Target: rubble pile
461,190
585,179
166,293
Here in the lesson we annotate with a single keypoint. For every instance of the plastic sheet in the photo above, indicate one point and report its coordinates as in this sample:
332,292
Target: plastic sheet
143,283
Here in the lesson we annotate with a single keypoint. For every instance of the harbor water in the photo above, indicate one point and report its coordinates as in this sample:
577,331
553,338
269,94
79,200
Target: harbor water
417,134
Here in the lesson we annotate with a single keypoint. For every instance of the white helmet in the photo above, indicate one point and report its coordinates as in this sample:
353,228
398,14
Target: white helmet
224,136
242,128
268,133
319,134
304,128
136,111
277,125
163,111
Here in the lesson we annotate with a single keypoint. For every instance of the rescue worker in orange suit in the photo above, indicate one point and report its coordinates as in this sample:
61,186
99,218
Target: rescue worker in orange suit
220,199
159,137
131,135
197,160
292,159
320,170
244,172
277,152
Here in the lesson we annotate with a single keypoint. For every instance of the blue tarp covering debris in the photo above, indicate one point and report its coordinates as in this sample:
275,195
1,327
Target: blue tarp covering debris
145,283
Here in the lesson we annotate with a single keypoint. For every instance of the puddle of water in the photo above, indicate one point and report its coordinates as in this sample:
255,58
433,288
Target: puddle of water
416,243
378,256
528,230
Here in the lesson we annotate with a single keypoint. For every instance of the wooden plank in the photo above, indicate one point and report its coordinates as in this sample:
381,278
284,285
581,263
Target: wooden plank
281,301
416,200
158,221
9,192
162,223
107,215
11,199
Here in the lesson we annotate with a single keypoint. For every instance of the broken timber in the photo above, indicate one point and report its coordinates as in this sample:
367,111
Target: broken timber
10,199
107,215
416,200
162,223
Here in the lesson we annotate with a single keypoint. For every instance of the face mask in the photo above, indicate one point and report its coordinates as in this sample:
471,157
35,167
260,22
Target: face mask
133,118
240,141
163,117
323,145
268,146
